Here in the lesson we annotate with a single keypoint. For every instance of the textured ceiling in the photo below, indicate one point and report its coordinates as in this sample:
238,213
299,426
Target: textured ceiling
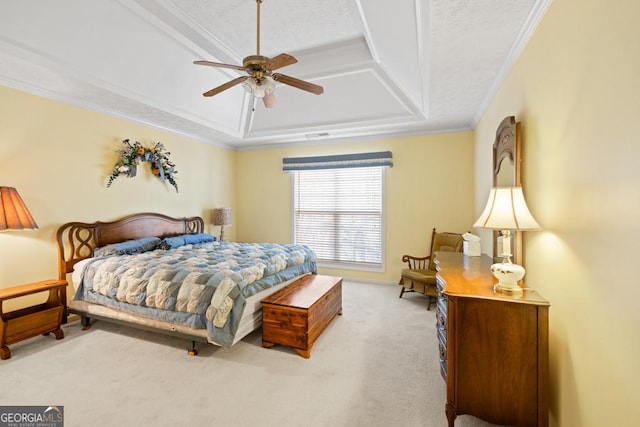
388,67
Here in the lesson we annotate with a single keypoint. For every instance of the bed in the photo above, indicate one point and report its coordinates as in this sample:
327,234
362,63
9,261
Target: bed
164,274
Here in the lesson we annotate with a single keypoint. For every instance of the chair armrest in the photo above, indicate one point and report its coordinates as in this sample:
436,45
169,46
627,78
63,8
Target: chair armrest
416,263
406,258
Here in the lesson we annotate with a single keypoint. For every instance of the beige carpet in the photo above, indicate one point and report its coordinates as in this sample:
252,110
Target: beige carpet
376,365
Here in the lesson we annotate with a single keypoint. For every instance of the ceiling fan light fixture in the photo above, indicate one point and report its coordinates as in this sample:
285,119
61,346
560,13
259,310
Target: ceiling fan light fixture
249,85
269,85
262,87
259,91
269,100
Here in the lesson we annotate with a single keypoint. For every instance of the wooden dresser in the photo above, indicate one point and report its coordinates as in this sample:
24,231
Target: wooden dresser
493,347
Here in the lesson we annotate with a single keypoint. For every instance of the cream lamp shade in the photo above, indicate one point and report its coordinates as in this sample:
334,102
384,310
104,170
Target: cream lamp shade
222,217
507,210
14,214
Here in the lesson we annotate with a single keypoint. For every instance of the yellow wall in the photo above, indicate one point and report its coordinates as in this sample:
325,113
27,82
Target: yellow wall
430,185
576,90
59,158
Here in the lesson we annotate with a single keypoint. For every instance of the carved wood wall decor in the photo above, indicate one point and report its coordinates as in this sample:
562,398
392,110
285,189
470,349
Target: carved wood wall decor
505,143
506,171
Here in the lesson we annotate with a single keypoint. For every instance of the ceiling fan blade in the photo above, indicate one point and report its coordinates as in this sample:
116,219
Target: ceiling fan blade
279,61
219,65
227,85
269,100
300,84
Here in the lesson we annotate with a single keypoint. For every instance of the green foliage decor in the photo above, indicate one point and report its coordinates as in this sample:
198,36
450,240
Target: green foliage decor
134,153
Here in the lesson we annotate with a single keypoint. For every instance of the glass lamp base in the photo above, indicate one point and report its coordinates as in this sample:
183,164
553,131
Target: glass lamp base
508,276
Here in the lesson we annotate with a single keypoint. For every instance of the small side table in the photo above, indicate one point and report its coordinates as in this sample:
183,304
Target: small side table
35,320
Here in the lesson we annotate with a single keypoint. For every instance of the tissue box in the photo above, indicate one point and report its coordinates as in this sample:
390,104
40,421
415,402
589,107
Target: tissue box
471,248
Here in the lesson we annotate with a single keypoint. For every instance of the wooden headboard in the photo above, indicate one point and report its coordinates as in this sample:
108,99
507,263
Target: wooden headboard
77,240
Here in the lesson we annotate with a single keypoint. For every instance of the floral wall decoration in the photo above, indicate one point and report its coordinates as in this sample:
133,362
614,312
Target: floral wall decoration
134,153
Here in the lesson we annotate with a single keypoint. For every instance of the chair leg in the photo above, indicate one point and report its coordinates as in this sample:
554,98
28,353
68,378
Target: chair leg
430,300
405,289
401,283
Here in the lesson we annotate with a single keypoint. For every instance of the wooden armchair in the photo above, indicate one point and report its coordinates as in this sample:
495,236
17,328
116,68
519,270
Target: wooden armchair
420,274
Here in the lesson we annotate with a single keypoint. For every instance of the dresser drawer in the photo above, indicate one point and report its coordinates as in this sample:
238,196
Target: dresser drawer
441,314
442,298
441,333
442,348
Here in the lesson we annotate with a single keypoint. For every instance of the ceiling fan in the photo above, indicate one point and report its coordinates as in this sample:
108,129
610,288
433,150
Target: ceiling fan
261,78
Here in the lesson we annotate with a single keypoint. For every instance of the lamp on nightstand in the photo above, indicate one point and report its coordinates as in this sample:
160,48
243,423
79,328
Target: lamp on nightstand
222,217
507,210
14,214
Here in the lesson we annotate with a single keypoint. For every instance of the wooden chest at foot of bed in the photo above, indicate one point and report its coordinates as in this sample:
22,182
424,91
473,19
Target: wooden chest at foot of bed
296,315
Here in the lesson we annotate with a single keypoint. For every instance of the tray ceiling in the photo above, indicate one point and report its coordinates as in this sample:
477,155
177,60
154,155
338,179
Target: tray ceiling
388,67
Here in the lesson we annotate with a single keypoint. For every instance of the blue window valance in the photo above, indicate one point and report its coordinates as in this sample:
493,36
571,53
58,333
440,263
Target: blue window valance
359,160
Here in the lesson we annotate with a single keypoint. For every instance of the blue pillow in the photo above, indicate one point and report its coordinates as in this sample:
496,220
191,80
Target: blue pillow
172,242
185,239
129,247
191,239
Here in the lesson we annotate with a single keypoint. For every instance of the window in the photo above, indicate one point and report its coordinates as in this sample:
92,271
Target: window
338,207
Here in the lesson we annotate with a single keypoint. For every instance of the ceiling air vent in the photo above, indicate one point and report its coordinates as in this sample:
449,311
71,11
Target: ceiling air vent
317,135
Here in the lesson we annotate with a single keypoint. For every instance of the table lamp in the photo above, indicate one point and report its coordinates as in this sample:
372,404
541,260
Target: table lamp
14,214
222,217
507,210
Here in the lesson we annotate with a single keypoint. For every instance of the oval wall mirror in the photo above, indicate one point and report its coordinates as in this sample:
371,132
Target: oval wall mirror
506,173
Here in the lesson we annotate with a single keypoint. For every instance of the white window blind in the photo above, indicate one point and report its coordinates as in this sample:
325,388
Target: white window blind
338,213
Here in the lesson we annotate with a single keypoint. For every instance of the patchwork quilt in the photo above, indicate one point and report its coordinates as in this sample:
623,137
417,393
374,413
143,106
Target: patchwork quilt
202,285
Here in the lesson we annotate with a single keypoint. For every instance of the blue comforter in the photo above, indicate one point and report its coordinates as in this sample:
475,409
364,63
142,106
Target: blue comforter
202,285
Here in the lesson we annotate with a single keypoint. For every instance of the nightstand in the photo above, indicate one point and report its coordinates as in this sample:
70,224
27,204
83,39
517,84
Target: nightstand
34,320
